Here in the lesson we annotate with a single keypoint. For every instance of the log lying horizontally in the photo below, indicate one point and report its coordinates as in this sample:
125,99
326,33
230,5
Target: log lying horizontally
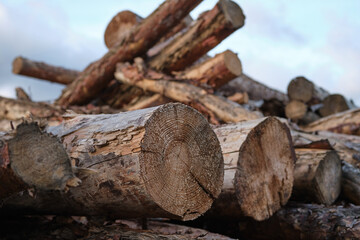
97,75
259,162
183,92
204,34
302,89
157,162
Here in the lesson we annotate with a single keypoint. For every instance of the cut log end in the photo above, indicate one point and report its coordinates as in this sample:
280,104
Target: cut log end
233,13
232,62
295,110
17,65
332,104
175,161
300,89
265,155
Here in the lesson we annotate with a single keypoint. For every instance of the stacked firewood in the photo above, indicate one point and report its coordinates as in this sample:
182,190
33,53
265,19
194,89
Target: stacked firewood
127,150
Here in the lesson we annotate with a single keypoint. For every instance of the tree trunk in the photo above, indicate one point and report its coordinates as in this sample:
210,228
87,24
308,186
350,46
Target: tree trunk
308,221
302,89
215,71
334,103
43,71
347,122
98,74
183,92
259,162
317,175
208,31
157,162
256,90
351,183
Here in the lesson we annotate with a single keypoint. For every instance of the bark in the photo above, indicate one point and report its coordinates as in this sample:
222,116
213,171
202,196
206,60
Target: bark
183,92
240,98
215,71
204,34
317,175
259,162
22,95
334,103
308,221
347,122
30,158
146,102
255,89
98,74
156,162
351,183
301,89
44,71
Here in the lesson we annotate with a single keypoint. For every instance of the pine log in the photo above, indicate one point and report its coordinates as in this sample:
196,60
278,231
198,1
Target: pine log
215,71
146,102
347,122
295,110
41,70
204,34
98,74
259,162
156,162
317,175
308,222
334,103
351,183
22,95
30,158
255,89
183,92
301,89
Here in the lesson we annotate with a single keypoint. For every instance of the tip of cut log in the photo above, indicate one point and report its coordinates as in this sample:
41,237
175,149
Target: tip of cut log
300,89
17,65
295,110
181,161
233,13
233,63
264,177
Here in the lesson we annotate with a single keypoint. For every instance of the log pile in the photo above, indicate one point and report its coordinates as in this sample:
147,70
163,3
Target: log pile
156,133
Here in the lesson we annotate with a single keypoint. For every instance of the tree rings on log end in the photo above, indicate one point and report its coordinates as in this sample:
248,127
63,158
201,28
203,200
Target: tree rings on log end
17,65
233,13
264,177
300,89
181,161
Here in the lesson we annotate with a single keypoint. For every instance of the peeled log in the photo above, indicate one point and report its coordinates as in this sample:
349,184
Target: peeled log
317,175
204,34
259,162
156,162
98,74
334,103
301,89
41,70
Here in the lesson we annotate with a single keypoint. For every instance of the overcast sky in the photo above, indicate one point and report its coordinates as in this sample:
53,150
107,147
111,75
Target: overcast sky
280,40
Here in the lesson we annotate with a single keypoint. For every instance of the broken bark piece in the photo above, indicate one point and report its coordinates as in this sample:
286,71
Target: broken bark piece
334,103
301,89
347,122
22,95
44,71
317,175
33,159
157,162
204,34
351,183
259,163
98,74
185,93
215,71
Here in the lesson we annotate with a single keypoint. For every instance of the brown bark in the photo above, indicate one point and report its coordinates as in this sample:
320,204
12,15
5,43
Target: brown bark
347,122
215,71
240,98
204,34
351,183
317,175
22,95
183,92
308,221
273,107
255,89
156,162
41,70
98,74
301,89
334,103
259,162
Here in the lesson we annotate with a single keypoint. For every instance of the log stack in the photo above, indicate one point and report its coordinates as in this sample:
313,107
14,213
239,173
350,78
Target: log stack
128,149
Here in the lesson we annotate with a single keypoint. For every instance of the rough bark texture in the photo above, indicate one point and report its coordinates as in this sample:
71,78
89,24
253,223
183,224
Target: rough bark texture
22,95
347,122
259,162
215,71
351,183
317,175
183,92
98,74
334,103
41,70
204,34
308,222
295,110
157,162
255,89
301,89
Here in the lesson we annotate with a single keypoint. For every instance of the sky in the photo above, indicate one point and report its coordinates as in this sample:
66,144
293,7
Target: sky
280,40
